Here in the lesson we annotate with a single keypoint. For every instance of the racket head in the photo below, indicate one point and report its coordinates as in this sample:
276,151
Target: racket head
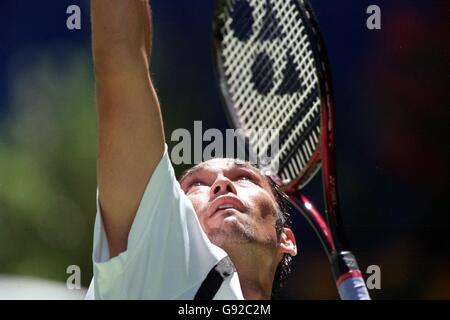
273,74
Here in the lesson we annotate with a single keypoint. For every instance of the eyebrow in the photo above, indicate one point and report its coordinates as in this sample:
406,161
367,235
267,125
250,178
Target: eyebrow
189,172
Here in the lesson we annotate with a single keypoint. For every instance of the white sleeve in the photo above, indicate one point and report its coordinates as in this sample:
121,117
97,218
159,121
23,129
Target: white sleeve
168,254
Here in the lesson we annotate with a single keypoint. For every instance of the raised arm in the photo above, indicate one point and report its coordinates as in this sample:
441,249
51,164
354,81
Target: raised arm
130,130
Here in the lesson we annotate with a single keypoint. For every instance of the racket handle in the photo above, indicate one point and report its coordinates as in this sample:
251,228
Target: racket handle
349,280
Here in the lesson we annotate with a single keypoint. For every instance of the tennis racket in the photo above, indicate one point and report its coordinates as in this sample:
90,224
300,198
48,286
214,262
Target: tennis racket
274,76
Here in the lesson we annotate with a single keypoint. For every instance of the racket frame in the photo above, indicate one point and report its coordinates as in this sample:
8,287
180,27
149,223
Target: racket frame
331,234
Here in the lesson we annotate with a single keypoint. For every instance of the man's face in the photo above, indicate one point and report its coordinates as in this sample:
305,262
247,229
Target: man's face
233,202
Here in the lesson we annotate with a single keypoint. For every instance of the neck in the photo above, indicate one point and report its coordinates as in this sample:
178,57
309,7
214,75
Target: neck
256,270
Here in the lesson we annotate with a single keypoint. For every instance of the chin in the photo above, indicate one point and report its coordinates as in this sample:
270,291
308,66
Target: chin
229,231
226,225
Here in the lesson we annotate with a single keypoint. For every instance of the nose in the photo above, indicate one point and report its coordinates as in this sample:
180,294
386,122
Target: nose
221,186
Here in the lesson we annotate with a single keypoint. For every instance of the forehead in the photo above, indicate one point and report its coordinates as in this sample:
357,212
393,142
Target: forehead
220,164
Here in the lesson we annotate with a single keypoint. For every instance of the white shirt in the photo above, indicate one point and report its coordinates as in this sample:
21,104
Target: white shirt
168,254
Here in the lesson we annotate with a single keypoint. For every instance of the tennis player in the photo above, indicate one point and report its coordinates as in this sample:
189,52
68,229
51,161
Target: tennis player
219,233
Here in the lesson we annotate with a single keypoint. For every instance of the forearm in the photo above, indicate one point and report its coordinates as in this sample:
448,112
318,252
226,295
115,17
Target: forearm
130,129
121,34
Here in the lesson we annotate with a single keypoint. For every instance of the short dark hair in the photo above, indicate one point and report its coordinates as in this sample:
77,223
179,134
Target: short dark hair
283,220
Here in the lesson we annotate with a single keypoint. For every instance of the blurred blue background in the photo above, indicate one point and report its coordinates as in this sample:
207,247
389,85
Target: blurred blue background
392,113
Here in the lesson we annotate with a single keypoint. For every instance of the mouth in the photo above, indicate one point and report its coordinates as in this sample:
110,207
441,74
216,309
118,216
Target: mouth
223,203
225,206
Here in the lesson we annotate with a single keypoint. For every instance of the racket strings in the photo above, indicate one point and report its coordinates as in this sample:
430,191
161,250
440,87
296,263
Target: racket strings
273,47
285,46
271,75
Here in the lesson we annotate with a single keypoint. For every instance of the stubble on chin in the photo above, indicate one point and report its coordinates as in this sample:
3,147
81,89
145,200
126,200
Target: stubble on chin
231,233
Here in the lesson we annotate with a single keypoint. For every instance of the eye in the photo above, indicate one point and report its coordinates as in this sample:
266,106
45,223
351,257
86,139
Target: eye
245,177
196,184
193,186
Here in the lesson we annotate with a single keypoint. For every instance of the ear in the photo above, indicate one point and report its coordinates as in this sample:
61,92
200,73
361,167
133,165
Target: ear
287,243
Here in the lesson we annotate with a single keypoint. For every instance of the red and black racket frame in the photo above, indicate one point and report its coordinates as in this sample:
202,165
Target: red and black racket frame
329,229
330,232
